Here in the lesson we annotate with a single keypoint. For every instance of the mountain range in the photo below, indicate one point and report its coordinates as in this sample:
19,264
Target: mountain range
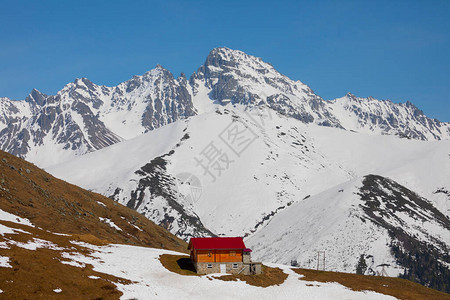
84,117
240,149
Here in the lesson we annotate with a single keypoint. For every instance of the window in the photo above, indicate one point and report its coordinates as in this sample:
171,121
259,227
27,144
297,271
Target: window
209,266
235,266
232,253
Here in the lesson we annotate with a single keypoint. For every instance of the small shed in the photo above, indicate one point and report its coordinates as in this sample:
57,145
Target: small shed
222,255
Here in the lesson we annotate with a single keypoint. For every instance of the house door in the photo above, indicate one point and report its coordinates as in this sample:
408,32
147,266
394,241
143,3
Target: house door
223,268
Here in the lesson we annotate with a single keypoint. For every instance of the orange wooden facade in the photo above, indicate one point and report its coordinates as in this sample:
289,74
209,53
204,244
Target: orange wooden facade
216,255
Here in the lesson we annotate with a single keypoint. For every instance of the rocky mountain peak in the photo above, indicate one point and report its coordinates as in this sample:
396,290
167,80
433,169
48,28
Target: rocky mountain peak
226,58
385,117
36,97
416,112
158,66
234,76
411,106
84,82
158,72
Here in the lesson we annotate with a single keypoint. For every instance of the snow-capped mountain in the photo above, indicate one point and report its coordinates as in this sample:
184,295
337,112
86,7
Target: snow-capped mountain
147,180
236,77
381,218
84,117
385,117
279,182
233,76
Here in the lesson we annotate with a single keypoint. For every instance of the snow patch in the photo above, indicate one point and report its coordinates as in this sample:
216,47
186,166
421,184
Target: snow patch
110,223
6,216
101,204
4,262
35,244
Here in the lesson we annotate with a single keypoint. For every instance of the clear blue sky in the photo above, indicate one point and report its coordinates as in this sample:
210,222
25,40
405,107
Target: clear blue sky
398,50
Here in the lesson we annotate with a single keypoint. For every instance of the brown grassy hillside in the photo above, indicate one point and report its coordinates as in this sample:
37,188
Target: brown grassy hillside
57,206
397,287
36,273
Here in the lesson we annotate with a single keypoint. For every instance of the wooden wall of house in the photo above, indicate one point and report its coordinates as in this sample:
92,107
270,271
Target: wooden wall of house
218,256
228,256
202,256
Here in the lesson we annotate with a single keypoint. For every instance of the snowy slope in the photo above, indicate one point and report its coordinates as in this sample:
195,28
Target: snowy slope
274,167
240,189
10,110
329,221
349,220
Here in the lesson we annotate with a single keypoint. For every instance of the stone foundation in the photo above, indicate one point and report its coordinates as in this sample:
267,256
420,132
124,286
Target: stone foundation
252,268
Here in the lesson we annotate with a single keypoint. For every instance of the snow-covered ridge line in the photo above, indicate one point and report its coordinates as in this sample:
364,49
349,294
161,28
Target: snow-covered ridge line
370,115
84,117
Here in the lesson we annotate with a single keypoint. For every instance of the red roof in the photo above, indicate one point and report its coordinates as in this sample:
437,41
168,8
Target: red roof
212,243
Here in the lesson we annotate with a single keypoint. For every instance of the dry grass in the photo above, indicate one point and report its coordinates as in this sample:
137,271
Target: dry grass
179,264
182,265
58,206
36,273
397,287
268,277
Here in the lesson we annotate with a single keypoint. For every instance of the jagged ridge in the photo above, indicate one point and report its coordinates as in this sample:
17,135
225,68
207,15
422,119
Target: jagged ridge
84,117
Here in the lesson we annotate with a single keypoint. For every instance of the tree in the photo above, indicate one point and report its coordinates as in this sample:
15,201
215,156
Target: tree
361,267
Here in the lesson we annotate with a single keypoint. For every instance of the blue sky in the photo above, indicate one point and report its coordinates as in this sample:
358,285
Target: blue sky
396,50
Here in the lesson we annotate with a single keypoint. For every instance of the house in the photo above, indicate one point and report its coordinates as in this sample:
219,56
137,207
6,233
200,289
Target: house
222,255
